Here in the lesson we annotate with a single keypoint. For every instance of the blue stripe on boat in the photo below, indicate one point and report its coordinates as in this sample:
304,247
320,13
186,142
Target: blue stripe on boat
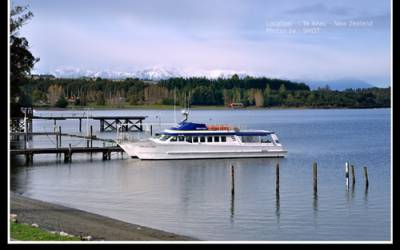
217,133
190,126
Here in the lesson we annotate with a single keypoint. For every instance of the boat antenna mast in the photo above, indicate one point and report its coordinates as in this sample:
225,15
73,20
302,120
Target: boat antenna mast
175,105
185,112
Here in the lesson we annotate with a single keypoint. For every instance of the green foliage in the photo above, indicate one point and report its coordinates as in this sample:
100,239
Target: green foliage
168,101
77,101
38,95
25,232
61,102
25,100
202,91
21,59
100,100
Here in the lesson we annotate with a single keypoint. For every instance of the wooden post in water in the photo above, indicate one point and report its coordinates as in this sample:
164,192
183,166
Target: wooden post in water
104,156
347,174
353,175
101,125
69,153
277,178
59,134
57,143
91,136
80,124
366,177
91,139
151,130
233,180
315,177
28,158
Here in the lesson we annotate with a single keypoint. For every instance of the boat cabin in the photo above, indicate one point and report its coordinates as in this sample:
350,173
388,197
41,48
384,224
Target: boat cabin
188,132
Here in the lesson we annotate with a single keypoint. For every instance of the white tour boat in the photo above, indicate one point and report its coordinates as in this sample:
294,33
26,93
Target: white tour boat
190,140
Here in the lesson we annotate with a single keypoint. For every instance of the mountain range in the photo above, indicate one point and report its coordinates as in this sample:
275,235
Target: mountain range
339,84
154,74
159,73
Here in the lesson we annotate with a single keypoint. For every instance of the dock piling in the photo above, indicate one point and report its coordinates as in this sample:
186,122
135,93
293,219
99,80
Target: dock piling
277,178
347,175
353,175
91,139
233,180
366,177
315,177
69,152
59,134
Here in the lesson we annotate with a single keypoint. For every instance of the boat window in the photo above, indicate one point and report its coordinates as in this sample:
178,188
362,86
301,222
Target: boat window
164,137
188,139
195,139
216,138
202,139
173,138
181,138
223,138
209,138
250,139
266,139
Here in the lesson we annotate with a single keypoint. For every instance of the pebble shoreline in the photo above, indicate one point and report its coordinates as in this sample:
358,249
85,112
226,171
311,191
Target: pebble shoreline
76,222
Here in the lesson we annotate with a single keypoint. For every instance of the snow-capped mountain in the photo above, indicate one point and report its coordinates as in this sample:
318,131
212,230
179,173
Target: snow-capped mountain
159,74
155,73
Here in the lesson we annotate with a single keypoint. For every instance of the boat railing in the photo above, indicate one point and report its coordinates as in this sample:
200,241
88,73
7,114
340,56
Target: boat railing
218,127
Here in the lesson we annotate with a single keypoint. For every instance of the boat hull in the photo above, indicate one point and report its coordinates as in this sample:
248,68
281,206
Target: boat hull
152,151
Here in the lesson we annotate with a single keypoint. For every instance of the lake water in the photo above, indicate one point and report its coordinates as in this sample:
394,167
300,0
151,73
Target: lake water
193,197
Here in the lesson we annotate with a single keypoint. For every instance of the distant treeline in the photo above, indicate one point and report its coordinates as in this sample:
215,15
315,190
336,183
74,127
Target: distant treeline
260,92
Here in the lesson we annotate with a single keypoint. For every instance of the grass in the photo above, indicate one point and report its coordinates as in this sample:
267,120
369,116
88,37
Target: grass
26,232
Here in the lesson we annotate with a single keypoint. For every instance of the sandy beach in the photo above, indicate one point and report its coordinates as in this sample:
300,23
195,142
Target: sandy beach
54,217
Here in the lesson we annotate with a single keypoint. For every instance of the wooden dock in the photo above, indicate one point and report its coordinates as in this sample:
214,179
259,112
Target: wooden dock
93,137
67,151
107,123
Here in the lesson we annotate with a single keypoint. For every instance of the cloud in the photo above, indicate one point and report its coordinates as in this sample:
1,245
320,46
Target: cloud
209,35
320,8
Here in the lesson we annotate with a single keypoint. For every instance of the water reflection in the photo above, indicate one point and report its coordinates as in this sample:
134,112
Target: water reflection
315,201
195,197
232,207
366,195
352,191
277,206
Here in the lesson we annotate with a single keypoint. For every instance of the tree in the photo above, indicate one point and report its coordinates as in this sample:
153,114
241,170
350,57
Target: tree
259,98
267,95
100,100
77,101
25,100
54,93
235,77
21,59
61,102
282,91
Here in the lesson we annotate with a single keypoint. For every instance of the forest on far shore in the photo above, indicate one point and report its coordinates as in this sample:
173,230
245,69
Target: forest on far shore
258,92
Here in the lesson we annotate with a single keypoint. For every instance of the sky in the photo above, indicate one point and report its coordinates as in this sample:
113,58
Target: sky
290,39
